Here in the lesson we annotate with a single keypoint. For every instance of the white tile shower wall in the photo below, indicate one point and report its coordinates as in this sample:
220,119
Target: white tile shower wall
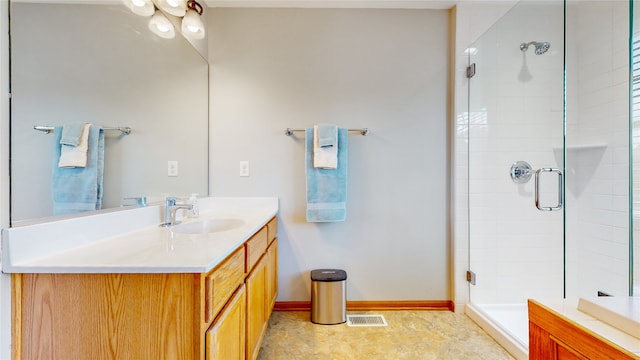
597,156
516,112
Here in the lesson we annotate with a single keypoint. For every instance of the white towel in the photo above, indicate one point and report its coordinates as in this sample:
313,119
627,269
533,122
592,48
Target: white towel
75,156
324,157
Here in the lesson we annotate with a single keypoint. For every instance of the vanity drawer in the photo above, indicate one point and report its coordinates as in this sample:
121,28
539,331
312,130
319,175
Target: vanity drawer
255,247
272,229
222,282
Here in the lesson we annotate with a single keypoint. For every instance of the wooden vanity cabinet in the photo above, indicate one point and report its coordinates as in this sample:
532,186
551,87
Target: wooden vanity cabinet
272,276
256,309
272,265
108,316
261,285
148,316
261,282
554,337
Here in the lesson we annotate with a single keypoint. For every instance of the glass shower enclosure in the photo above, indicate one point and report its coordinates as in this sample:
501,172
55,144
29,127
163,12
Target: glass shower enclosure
549,158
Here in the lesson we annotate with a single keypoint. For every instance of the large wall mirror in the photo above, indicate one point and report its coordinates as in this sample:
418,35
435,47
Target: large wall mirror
100,64
635,146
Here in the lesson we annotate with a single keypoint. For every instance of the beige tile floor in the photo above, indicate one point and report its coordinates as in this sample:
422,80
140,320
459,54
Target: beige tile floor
412,335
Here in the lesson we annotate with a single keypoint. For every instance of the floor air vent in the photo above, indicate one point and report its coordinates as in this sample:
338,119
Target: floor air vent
366,320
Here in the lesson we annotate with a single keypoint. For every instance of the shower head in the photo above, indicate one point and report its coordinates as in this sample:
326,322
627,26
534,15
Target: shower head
541,47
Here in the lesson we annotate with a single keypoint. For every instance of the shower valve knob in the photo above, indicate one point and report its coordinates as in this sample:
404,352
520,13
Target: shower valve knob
520,172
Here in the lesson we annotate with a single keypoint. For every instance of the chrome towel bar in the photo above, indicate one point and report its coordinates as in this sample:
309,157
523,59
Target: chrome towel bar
363,131
48,129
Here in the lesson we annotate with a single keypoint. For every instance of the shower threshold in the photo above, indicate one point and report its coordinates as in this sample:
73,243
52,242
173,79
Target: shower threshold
508,324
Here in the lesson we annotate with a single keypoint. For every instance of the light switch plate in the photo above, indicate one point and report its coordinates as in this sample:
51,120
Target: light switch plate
244,168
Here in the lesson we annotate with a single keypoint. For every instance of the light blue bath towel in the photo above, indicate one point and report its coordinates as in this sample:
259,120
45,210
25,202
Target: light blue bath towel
79,189
326,188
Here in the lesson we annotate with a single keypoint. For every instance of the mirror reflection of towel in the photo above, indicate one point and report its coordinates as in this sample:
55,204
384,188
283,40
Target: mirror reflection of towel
75,156
78,189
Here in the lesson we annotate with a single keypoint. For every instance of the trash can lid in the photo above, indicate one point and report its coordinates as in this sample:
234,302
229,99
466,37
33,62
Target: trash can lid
328,275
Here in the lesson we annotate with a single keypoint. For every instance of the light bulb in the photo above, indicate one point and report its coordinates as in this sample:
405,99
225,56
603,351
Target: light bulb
140,7
192,25
173,7
161,26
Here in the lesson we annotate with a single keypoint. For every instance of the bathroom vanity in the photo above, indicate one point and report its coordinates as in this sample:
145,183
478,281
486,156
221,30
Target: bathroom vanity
559,331
196,292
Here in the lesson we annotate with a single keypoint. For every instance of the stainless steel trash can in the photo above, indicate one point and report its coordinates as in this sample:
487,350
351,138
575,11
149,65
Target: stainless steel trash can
328,296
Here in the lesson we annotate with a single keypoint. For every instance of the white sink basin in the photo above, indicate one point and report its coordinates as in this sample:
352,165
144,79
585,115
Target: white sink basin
207,226
620,312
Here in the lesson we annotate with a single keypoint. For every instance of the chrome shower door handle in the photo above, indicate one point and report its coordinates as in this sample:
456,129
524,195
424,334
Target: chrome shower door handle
560,189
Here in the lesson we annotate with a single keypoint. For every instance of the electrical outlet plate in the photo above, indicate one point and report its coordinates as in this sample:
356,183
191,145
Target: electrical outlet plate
172,168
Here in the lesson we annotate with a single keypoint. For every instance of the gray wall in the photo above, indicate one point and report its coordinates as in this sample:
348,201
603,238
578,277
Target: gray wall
382,69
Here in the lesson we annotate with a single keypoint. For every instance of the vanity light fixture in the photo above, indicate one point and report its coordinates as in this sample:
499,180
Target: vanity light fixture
189,10
192,25
140,7
173,7
161,26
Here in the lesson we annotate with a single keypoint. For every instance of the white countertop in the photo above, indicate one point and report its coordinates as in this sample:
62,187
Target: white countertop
621,312
569,309
131,241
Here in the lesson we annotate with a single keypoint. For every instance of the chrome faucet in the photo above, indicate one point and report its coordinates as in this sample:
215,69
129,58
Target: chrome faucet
141,201
171,207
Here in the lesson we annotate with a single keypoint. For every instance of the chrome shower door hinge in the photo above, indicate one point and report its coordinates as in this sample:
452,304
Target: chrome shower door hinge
471,71
471,277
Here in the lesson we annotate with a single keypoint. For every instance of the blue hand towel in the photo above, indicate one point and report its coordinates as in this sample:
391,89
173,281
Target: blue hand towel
71,134
79,189
326,188
327,135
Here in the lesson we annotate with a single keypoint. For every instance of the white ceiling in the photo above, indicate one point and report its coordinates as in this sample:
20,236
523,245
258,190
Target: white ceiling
381,4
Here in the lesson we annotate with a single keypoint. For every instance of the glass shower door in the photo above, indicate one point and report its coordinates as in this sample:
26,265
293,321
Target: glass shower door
516,163
544,95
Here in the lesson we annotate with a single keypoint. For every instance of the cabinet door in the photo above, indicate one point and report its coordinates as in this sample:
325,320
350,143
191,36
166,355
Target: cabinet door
272,276
222,282
256,308
225,338
106,316
563,352
272,229
256,246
